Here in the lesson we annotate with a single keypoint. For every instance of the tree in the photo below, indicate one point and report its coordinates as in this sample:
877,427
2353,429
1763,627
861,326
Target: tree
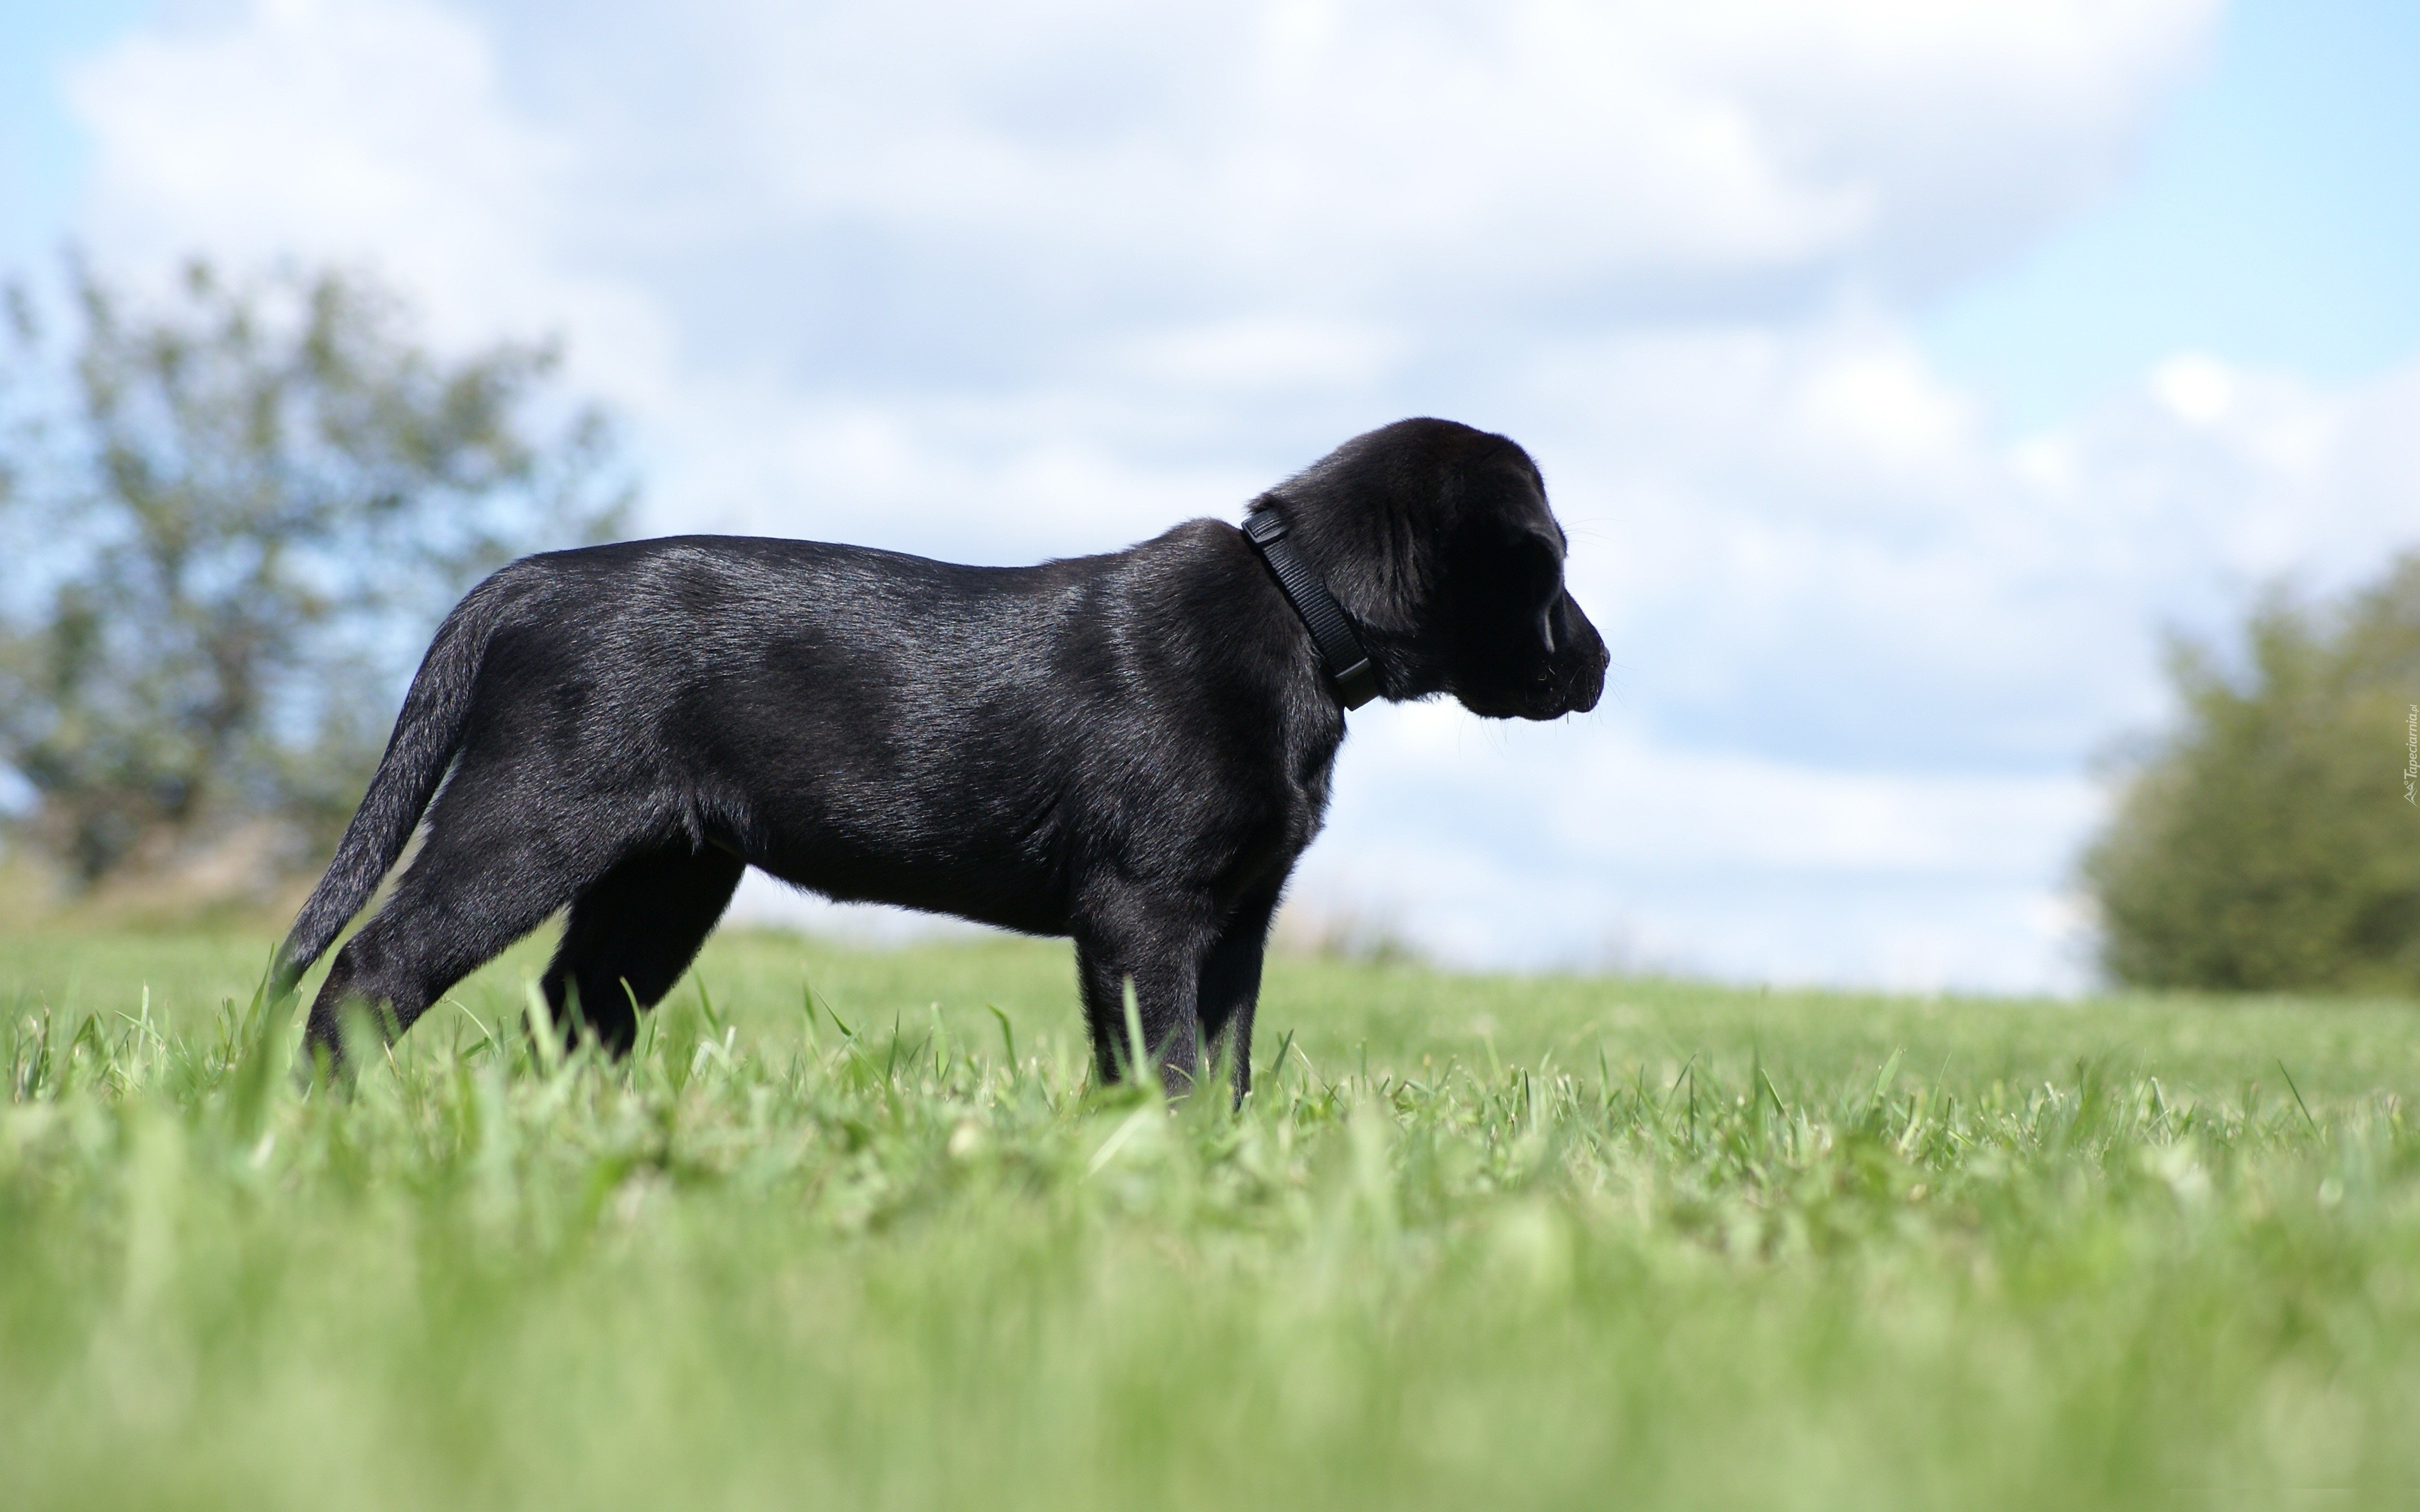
2272,842
232,515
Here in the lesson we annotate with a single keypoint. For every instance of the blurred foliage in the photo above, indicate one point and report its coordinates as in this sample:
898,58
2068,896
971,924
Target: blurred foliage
232,514
2272,842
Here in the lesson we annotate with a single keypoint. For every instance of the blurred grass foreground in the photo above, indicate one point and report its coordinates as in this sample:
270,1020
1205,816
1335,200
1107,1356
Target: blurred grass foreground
851,1229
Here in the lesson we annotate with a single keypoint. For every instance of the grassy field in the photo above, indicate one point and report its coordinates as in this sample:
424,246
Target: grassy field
826,1242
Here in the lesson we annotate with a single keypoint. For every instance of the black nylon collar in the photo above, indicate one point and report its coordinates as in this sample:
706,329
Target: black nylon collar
1349,671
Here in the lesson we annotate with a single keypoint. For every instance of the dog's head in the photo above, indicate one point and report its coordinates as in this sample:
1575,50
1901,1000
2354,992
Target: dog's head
1437,540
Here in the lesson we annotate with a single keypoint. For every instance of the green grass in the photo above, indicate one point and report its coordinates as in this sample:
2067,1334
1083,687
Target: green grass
1478,1241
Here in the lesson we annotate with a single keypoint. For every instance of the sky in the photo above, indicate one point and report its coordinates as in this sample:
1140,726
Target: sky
1901,371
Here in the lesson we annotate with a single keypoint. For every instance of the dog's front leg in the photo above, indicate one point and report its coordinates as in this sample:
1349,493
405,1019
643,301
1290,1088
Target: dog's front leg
1160,952
1231,985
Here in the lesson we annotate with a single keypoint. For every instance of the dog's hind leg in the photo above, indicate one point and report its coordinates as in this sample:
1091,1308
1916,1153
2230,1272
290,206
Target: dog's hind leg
633,933
488,873
1230,984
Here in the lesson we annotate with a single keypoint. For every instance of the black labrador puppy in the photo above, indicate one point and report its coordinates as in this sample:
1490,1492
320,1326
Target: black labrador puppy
1130,748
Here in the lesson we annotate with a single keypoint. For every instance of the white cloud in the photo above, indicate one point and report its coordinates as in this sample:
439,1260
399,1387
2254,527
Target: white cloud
2195,386
1004,282
1010,171
1265,354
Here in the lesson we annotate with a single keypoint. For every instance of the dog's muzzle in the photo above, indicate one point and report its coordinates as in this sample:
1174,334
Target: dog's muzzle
1573,679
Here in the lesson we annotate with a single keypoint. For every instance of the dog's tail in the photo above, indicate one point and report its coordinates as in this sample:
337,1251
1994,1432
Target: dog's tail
427,734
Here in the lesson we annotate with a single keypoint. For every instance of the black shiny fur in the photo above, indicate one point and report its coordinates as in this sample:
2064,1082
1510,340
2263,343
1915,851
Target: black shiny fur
1131,749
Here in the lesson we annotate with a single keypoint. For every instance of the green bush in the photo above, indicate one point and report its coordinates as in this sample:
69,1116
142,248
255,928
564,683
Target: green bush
2271,841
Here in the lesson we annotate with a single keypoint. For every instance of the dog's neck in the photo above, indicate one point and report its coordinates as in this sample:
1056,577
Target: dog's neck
1352,676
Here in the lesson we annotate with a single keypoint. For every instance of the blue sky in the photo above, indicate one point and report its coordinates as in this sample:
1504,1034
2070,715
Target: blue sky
2274,218
43,153
1900,369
